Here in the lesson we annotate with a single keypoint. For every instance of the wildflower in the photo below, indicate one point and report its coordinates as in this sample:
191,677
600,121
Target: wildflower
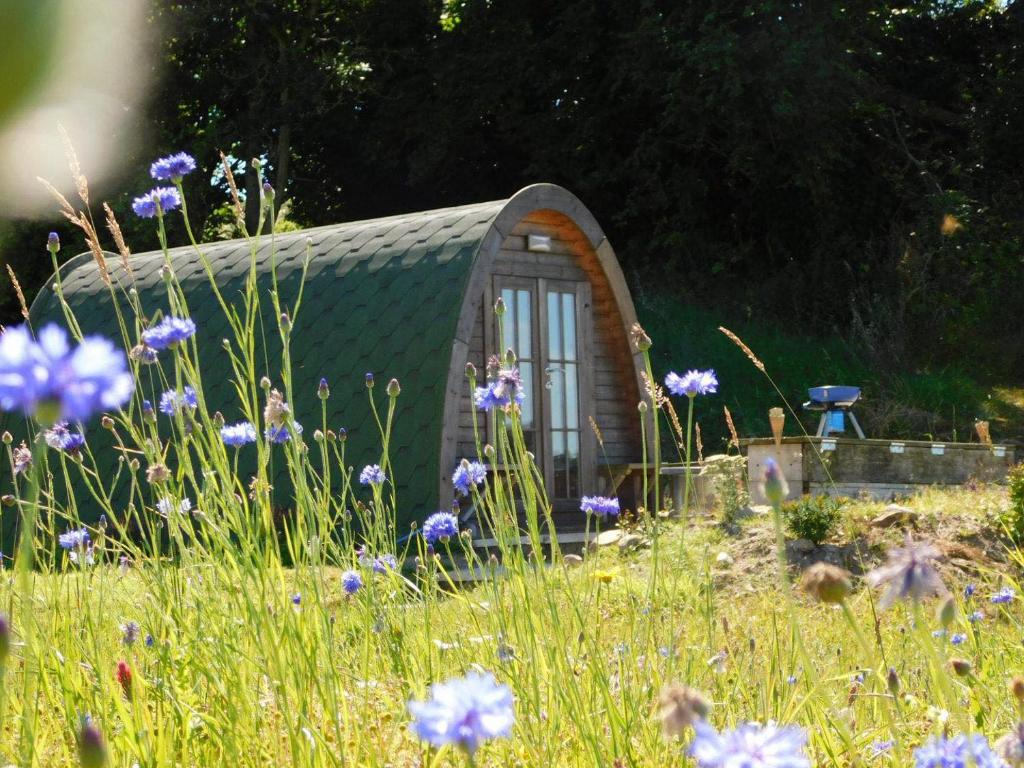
464,711
977,616
384,563
157,473
394,389
168,332
281,434
603,576
53,382
149,641
1004,595
600,506
165,506
92,751
124,678
74,539
372,474
172,401
879,748
681,707
129,632
827,583
892,681
909,573
969,591
1010,746
323,391
958,639
297,598
22,459
351,582
693,383
1017,688
156,202
173,167
938,633
960,666
941,752
277,412
505,389
775,486
5,640
750,745
60,438
791,680
53,242
239,434
440,526
468,474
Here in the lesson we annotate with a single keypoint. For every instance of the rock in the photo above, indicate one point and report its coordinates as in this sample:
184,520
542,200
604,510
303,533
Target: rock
572,561
894,514
607,538
756,509
803,546
724,558
631,541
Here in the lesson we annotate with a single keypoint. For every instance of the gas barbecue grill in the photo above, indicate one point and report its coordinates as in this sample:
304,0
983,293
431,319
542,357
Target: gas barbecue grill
835,403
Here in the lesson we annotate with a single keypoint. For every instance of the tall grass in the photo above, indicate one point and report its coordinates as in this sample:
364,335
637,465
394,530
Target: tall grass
249,652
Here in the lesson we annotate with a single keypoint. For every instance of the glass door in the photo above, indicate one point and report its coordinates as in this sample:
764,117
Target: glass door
518,328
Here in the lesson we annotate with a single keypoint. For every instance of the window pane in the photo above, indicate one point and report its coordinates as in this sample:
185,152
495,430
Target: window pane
572,407
524,325
554,327
526,374
561,489
573,463
556,378
569,323
508,322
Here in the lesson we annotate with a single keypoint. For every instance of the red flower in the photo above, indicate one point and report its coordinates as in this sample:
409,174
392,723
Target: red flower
124,678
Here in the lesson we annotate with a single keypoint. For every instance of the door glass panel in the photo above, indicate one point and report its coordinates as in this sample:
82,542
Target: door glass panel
508,325
561,488
572,406
517,335
554,327
563,376
524,326
573,465
569,325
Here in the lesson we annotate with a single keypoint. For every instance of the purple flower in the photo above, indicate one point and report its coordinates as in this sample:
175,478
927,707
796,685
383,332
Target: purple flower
468,474
129,632
172,167
600,506
384,563
976,617
969,591
465,712
1004,595
958,639
879,748
53,382
957,752
22,459
239,434
156,202
506,388
61,438
74,539
171,401
372,474
693,383
281,434
351,582
440,526
909,573
297,598
749,745
168,332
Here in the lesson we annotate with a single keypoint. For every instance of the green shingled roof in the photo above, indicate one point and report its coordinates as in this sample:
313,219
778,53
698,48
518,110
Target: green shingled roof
382,296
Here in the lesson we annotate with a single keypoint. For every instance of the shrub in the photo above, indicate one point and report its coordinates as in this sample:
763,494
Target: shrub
812,517
1014,520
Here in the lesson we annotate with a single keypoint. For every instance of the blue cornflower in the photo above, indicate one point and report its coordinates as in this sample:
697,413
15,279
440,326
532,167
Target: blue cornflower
74,539
909,572
372,474
239,434
879,748
791,679
351,582
61,438
149,641
969,591
600,506
938,633
693,383
958,639
384,563
172,401
465,712
297,598
281,434
1004,595
440,526
749,745
129,632
48,379
468,474
957,752
173,167
505,389
976,617
168,332
156,202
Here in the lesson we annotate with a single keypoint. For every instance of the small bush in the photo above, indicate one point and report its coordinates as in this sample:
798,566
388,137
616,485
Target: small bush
1015,517
812,517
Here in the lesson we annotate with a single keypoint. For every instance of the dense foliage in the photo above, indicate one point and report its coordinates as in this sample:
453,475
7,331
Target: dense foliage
838,167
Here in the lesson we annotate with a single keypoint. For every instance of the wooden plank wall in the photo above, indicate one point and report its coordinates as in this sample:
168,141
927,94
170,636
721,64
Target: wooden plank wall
615,390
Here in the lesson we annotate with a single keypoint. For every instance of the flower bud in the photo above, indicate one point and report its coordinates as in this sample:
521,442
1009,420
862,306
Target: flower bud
107,423
393,388
489,451
775,487
147,411
264,383
961,667
92,751
342,434
827,583
332,436
369,380
7,437
268,192
286,322
1017,688
53,243
471,371
157,473
5,640
680,707
642,406
134,465
318,436
124,678
257,164
510,357
892,681
640,338
8,500
323,391
226,344
218,419
499,307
